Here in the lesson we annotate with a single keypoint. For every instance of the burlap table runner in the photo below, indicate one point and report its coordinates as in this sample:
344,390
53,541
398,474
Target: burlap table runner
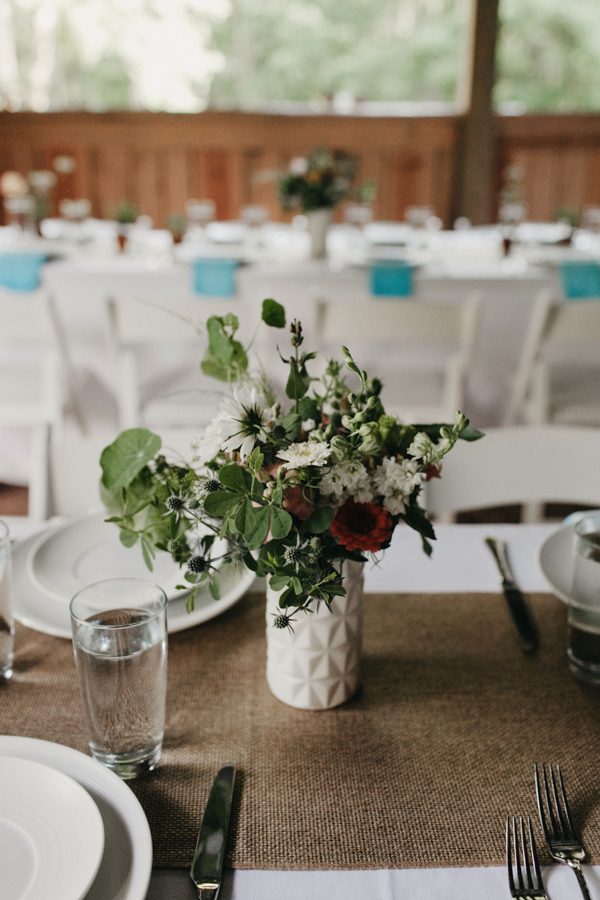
419,769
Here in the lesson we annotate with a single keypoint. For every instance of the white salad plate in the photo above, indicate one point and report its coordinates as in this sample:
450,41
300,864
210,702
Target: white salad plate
126,859
80,551
51,833
49,612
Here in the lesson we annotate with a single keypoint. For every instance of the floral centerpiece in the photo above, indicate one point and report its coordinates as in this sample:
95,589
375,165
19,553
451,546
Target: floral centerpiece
314,185
298,490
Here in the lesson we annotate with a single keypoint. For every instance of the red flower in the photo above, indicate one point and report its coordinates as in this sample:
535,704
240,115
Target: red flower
362,526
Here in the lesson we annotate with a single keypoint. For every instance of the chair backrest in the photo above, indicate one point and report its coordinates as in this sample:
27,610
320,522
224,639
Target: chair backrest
522,464
73,483
391,278
573,329
441,325
25,318
531,346
580,279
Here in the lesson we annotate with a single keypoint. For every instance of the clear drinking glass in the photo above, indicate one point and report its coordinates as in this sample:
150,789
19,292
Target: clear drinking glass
7,622
120,644
584,609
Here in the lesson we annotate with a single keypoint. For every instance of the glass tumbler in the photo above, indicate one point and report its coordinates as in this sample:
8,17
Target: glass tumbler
7,622
120,645
583,648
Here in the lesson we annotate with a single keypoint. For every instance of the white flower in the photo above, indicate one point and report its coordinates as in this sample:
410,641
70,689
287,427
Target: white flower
395,481
422,446
309,425
347,479
298,166
243,419
308,453
207,445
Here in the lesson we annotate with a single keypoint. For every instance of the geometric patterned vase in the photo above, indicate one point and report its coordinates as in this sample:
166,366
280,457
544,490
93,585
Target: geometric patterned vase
317,666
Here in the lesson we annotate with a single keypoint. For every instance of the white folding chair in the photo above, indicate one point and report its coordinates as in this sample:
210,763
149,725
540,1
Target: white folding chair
157,348
558,378
422,351
518,465
31,383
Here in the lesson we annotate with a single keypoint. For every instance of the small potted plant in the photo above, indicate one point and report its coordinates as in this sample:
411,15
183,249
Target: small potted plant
177,224
126,215
315,185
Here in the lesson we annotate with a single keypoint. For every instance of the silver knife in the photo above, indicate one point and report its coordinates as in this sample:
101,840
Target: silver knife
521,614
207,865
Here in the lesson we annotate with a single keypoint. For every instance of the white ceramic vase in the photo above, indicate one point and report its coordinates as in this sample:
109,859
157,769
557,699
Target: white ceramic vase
317,665
319,221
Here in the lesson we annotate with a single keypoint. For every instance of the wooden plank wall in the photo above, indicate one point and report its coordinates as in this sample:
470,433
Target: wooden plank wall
158,160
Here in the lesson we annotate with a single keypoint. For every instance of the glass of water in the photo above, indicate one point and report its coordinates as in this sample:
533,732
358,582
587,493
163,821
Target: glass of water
7,622
120,644
584,608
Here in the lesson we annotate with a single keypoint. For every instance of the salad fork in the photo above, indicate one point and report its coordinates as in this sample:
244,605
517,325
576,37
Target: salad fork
521,855
561,837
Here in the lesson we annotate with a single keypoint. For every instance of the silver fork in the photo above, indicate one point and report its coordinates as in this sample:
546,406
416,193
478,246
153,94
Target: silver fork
563,841
521,855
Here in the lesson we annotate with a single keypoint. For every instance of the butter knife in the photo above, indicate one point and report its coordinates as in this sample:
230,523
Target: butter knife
520,611
207,866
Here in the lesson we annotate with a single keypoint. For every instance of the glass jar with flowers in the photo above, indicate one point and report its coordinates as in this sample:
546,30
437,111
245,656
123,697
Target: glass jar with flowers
315,185
302,492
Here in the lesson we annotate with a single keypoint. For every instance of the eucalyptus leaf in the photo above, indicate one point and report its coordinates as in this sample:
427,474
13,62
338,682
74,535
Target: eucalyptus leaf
122,460
128,538
214,588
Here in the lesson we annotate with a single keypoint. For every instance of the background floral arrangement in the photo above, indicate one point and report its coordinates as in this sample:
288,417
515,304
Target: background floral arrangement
294,490
319,181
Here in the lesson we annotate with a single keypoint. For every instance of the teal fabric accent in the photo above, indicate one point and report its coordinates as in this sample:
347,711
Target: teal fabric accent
580,279
21,271
391,279
215,277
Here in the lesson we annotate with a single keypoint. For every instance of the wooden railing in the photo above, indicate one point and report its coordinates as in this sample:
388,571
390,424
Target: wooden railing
159,160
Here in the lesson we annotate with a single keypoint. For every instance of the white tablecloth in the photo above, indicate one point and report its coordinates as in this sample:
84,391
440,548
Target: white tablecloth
460,562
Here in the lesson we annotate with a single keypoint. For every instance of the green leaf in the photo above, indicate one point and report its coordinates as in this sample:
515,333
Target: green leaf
235,478
218,503
281,522
128,538
256,460
296,585
122,460
298,381
320,520
257,535
273,314
214,588
470,433
278,582
225,357
147,553
245,520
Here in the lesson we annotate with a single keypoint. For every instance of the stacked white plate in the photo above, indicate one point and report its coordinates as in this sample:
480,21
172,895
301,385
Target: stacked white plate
50,568
69,828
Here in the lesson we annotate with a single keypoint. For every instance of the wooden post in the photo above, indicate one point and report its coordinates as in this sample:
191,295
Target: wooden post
475,168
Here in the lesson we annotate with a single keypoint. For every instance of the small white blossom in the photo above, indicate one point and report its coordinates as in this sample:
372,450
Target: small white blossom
422,446
309,425
307,453
347,479
207,445
298,165
395,480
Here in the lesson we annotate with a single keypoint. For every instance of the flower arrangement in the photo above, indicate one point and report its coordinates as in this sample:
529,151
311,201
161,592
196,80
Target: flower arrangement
294,489
319,181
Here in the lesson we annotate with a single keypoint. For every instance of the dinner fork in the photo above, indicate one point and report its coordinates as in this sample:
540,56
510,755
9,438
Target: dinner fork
563,841
521,854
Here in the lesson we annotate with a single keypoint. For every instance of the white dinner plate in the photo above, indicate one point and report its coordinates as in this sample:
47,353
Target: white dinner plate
126,863
83,550
51,833
36,609
556,560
